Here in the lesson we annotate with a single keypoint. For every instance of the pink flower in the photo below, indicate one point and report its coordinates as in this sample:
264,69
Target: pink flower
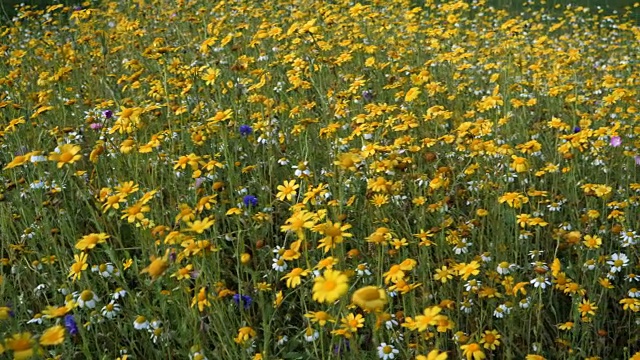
615,141
95,126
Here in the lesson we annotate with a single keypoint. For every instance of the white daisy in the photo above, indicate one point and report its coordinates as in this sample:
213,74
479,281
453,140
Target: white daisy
387,351
618,261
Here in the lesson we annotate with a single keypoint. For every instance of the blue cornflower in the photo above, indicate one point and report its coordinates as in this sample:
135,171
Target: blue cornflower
108,114
245,130
71,325
576,129
250,200
245,299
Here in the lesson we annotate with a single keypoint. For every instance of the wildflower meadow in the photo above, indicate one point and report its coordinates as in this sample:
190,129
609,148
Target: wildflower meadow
194,179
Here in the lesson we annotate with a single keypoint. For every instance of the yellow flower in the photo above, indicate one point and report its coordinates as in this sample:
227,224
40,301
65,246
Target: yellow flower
201,299
79,266
113,201
587,308
244,334
473,351
394,274
5,312
490,339
52,312
320,317
52,336
428,318
293,277
433,355
287,190
519,164
352,322
412,94
21,345
199,226
348,161
210,76
135,212
66,154
370,298
330,286
156,268
535,357
299,221
90,241
466,270
334,233
592,242
18,160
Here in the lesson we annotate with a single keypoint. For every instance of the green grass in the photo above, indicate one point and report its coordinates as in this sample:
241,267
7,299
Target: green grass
319,181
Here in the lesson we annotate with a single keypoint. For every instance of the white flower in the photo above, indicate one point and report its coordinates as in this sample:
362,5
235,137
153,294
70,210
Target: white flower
87,299
282,340
634,293
39,290
279,264
540,282
141,323
618,261
472,285
311,335
110,310
119,293
590,264
155,333
501,311
628,238
397,337
466,306
105,270
37,319
535,253
555,206
628,235
197,356
391,323
461,247
386,352
362,270
505,268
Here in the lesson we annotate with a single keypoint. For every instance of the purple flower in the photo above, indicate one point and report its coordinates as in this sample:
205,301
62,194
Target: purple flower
615,141
245,130
96,126
199,181
108,114
637,159
246,300
367,95
250,200
576,129
71,325
338,348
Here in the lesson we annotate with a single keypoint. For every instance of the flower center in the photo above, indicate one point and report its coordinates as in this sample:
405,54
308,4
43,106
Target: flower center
329,285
